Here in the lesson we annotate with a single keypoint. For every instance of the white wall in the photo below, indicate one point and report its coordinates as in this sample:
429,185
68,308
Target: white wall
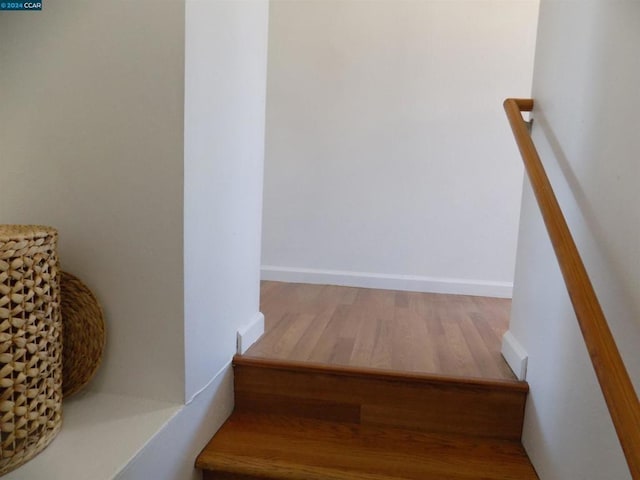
586,129
226,65
225,89
98,137
388,161
170,455
91,142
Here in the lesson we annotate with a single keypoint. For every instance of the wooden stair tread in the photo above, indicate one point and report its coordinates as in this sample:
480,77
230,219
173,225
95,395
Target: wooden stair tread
253,446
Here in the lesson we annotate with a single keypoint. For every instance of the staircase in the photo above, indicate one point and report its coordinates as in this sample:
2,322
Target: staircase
302,421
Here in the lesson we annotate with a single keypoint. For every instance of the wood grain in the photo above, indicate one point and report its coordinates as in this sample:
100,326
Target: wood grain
613,377
471,406
367,384
416,332
254,446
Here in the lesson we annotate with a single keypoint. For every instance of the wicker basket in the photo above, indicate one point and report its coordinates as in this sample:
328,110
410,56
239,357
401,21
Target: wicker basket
30,343
84,334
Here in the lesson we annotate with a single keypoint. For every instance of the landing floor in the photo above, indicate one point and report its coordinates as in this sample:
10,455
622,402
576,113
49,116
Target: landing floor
453,335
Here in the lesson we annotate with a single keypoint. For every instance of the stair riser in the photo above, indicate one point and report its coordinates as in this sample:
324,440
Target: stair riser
429,406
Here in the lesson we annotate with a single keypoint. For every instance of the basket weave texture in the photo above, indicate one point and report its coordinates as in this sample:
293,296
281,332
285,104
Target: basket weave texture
84,334
30,343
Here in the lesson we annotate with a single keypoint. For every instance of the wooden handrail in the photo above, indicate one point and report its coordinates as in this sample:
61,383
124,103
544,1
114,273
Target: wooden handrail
615,383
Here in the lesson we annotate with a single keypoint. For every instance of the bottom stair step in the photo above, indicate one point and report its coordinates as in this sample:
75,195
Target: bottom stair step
257,446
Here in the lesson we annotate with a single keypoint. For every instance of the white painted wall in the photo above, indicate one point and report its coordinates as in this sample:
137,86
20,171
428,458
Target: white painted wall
98,137
226,65
225,91
586,128
388,161
165,458
91,142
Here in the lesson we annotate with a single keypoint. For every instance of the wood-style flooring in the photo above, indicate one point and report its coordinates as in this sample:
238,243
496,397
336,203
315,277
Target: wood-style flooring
300,421
361,384
452,335
258,447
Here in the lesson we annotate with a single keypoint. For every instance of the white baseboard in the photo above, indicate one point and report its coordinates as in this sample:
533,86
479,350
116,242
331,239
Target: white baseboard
410,283
515,355
250,333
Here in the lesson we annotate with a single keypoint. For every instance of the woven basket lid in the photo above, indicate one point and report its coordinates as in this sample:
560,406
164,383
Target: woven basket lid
83,331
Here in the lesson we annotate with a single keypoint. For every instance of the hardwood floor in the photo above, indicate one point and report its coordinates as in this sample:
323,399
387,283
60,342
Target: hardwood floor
430,333
361,384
